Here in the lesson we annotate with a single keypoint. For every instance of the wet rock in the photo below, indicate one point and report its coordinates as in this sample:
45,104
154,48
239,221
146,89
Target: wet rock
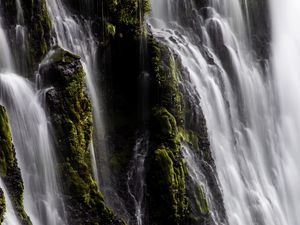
71,115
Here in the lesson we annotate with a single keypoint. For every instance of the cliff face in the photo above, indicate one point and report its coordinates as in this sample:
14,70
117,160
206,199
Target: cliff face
142,81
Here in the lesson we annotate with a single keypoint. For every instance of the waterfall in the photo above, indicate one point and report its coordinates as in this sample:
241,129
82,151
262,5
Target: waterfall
34,148
33,144
253,136
286,56
5,55
251,107
10,216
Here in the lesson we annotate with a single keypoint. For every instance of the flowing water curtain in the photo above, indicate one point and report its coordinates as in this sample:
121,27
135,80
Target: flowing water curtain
238,102
33,143
34,148
285,60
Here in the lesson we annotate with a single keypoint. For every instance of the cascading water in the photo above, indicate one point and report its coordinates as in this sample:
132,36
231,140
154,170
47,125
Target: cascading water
251,111
286,56
33,144
5,55
34,148
136,179
252,141
199,183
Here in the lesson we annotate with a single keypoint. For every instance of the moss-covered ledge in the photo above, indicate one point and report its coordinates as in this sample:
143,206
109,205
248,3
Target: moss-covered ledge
168,203
2,206
71,115
9,170
173,197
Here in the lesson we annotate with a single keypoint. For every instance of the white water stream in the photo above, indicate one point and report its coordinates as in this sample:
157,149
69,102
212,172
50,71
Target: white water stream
33,144
253,122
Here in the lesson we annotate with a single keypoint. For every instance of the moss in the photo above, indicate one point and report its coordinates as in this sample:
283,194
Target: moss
201,200
190,137
111,29
10,172
71,114
6,153
127,16
2,205
166,78
167,168
167,179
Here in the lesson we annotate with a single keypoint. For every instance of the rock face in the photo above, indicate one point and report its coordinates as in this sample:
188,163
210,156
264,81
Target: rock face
29,29
71,115
173,197
9,170
39,27
126,52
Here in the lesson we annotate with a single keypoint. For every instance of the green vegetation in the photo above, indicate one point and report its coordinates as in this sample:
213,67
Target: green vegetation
167,179
10,172
2,205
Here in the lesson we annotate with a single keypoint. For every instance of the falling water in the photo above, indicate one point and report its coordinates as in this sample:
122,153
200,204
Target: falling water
198,179
10,215
253,136
5,55
33,144
136,179
286,56
34,149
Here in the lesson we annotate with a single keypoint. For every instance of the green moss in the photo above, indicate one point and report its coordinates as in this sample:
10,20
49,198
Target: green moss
2,205
189,137
201,200
6,153
167,122
168,169
164,70
111,29
127,16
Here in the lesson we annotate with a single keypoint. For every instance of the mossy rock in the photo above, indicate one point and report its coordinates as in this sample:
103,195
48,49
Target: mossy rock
71,115
2,205
173,196
6,147
167,172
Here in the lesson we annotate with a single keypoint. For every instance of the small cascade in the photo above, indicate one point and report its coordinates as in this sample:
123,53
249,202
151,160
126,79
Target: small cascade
6,62
10,217
34,148
20,13
21,51
198,185
32,140
136,180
